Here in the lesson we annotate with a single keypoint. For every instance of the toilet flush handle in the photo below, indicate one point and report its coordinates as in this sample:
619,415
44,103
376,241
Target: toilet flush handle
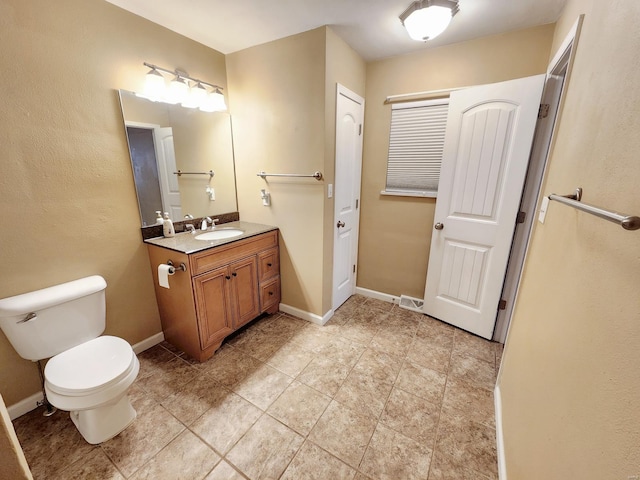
29,316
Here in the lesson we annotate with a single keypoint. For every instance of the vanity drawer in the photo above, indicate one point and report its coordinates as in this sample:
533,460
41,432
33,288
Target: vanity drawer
206,260
268,264
269,294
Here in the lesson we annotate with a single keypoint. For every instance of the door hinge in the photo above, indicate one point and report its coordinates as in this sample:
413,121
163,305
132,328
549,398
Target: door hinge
360,129
543,111
502,304
521,216
354,269
357,203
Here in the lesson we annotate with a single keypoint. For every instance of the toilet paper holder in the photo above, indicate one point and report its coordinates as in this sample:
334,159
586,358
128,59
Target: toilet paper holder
182,266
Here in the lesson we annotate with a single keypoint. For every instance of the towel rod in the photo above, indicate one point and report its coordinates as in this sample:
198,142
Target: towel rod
316,175
180,173
628,222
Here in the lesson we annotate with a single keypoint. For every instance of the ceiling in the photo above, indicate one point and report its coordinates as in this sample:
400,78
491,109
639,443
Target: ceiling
371,27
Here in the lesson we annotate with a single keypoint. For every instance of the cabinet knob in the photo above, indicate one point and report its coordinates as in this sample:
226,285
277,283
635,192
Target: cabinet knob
234,274
227,277
268,264
270,293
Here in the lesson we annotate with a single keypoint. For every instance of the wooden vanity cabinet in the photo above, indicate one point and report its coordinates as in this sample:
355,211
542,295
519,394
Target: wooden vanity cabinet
224,288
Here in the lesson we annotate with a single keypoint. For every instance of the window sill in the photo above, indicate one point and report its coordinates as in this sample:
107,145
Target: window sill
420,194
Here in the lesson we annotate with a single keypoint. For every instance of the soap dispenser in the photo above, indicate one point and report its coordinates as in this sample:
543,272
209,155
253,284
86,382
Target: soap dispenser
167,226
159,219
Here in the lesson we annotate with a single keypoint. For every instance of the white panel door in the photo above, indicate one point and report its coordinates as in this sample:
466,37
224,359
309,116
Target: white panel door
166,158
349,118
487,146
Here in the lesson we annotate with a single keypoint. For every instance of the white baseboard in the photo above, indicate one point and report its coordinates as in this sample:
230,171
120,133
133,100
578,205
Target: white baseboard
308,316
385,297
31,402
148,343
502,466
317,319
24,406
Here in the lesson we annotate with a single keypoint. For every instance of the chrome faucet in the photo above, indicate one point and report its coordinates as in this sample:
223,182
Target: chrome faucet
190,228
205,223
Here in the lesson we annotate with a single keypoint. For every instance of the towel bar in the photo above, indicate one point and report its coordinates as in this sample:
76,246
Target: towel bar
180,173
628,222
316,175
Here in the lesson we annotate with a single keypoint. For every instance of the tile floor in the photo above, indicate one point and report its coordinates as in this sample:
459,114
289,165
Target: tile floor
378,393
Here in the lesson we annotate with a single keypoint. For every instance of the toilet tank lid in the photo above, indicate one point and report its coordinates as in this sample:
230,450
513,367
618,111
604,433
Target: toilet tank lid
50,296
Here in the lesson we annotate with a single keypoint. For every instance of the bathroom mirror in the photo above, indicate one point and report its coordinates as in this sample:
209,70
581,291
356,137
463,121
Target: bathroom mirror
182,159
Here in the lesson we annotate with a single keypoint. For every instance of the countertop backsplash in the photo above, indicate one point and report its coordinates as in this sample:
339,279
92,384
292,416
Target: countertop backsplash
154,231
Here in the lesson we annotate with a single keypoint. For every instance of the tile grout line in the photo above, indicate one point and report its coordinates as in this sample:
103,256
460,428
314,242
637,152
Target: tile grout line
444,390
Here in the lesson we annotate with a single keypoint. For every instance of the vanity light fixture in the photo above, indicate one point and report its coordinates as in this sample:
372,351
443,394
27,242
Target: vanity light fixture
154,86
426,19
190,95
178,90
214,102
197,96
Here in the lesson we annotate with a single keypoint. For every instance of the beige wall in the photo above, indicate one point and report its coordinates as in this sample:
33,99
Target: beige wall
283,102
68,200
570,379
401,226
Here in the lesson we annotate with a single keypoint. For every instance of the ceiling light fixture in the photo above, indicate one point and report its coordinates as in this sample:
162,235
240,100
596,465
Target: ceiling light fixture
194,95
426,19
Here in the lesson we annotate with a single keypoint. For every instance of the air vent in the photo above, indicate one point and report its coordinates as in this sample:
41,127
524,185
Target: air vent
411,303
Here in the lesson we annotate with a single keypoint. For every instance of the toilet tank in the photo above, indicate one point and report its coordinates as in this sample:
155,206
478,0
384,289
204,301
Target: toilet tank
66,315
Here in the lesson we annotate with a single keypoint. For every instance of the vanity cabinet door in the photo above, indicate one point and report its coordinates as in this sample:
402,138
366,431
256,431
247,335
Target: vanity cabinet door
244,287
214,306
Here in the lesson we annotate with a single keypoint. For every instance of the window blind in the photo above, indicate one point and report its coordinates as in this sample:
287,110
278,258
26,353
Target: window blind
416,143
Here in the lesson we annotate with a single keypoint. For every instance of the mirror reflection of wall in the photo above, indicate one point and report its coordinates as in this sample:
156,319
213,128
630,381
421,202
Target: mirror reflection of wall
174,138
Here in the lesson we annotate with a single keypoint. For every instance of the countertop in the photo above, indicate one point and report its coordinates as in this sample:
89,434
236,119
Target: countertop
186,242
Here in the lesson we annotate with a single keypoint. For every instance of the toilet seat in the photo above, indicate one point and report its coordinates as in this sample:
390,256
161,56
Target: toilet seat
90,366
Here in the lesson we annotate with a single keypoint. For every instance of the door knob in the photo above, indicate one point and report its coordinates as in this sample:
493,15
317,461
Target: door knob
439,226
340,224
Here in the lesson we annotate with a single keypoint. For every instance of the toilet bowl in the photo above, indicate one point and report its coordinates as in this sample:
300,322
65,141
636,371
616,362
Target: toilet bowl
87,374
91,381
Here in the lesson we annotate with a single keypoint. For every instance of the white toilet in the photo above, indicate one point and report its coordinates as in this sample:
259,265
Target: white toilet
88,374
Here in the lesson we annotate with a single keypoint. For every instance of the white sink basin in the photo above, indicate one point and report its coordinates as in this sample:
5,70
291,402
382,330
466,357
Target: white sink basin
219,234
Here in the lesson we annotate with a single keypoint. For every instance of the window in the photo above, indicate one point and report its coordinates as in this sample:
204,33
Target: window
416,143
